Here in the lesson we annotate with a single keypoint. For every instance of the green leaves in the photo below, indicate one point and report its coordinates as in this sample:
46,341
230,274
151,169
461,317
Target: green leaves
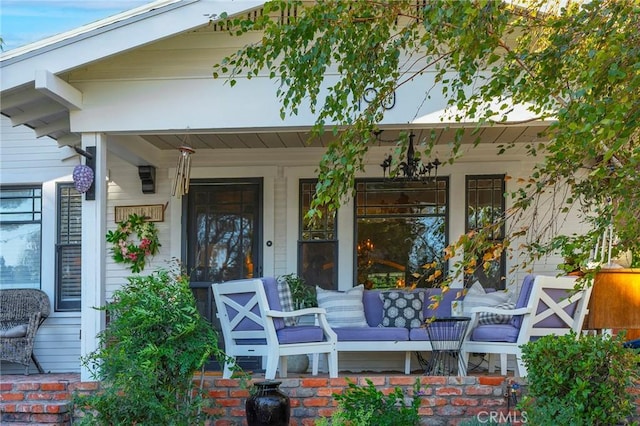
156,339
586,384
367,406
578,67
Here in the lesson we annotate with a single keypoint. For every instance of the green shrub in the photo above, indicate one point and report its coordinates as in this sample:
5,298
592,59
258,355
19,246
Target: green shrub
580,381
367,406
154,343
303,294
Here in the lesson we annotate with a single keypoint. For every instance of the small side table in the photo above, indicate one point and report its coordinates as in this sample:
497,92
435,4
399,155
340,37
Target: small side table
446,336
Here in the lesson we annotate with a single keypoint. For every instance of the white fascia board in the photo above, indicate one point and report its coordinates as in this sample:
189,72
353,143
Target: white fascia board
171,105
515,114
58,89
205,103
115,38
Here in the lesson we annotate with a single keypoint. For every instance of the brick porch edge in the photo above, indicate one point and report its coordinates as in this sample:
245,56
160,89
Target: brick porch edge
446,400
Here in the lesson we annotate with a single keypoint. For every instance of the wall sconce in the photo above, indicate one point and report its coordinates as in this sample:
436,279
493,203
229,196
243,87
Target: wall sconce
148,178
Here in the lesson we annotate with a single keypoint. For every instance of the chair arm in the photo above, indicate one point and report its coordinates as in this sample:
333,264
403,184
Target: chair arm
34,324
489,309
319,313
298,313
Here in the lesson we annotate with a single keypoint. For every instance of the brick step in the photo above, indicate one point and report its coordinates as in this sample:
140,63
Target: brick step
29,412
35,407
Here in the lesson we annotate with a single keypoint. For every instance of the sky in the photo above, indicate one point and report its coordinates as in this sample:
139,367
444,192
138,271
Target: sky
25,21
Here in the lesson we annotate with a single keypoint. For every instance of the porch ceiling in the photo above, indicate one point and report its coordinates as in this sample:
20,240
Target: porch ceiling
35,109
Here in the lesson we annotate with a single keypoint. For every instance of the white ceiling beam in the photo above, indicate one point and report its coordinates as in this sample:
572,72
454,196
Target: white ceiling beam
134,150
37,113
58,89
69,140
56,126
21,98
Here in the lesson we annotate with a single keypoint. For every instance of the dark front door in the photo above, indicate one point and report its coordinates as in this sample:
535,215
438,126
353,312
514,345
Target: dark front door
224,234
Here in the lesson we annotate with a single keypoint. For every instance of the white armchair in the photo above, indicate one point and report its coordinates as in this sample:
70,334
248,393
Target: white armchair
252,324
546,305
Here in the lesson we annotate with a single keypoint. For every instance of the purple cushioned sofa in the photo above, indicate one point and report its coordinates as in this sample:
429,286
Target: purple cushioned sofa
377,338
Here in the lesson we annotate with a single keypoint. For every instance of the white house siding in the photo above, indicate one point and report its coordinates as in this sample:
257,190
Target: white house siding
27,160
125,189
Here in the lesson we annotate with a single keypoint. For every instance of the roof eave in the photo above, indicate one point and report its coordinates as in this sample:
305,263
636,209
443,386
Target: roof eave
111,36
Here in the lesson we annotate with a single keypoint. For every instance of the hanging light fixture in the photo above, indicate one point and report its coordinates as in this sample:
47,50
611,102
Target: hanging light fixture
183,170
411,169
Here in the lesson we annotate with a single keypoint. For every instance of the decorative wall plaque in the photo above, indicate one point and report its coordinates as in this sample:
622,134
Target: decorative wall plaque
153,212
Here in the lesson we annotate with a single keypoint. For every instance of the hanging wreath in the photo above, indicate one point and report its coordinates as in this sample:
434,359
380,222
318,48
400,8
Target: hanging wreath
125,250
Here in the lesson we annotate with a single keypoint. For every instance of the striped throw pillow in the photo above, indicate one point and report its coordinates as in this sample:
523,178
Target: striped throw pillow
344,308
286,301
492,318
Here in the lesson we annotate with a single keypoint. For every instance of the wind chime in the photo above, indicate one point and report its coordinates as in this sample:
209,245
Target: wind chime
183,170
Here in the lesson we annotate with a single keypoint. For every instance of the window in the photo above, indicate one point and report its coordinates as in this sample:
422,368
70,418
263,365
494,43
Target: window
68,248
401,232
317,243
486,204
20,236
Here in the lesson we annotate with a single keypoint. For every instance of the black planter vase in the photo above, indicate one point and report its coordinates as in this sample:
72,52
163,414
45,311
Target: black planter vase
268,405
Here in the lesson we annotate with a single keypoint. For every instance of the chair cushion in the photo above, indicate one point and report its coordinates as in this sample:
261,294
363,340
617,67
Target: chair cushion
286,301
376,334
372,307
419,333
402,309
300,334
273,297
443,309
344,308
15,331
523,299
493,318
495,333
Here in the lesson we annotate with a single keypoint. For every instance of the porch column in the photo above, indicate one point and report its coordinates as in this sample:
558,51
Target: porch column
94,213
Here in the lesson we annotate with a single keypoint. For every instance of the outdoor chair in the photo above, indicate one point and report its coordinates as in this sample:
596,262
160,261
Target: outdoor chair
253,324
22,311
546,305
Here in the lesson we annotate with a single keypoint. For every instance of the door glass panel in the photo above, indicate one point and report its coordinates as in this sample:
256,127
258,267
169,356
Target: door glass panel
224,227
223,240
